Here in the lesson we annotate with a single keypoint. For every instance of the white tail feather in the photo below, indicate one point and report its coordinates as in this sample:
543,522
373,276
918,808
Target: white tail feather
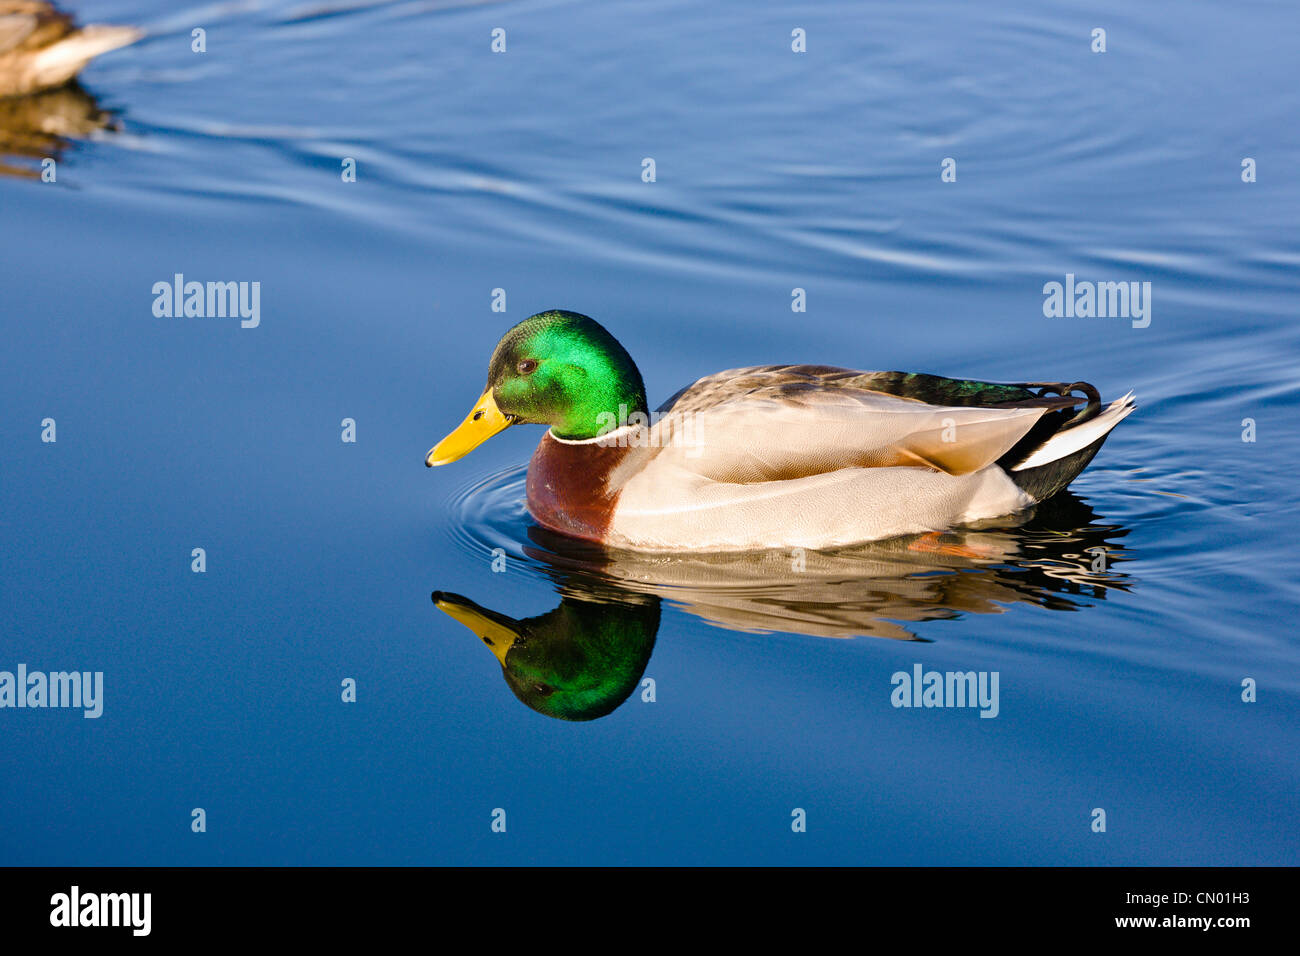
1081,436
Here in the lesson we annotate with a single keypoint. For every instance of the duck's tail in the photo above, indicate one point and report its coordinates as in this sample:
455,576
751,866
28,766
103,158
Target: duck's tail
1056,460
61,61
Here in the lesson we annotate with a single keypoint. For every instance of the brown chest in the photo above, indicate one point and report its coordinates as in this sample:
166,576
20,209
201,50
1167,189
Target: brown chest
569,486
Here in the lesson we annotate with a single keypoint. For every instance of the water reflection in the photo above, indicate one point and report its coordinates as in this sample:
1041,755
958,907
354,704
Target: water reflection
43,125
583,659
577,662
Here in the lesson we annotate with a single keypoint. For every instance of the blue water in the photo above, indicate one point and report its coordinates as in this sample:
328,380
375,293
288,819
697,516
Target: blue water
1120,684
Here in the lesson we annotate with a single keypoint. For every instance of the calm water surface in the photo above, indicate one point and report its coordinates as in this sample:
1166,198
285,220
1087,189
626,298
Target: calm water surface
1120,682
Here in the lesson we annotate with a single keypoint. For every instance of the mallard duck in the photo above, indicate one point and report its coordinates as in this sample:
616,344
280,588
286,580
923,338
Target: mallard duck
40,47
772,456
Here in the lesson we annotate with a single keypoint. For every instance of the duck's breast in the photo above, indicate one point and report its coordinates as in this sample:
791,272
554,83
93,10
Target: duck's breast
569,488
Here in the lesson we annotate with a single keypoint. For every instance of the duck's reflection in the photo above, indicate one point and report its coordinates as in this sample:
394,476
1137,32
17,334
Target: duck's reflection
583,659
577,662
43,125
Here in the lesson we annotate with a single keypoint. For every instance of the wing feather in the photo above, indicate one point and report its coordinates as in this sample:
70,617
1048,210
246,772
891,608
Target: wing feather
775,423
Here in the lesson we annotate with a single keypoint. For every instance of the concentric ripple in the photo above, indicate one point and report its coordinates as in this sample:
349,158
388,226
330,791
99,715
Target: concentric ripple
489,513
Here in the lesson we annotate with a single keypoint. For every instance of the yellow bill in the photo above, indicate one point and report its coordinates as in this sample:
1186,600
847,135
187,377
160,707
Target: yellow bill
483,421
497,631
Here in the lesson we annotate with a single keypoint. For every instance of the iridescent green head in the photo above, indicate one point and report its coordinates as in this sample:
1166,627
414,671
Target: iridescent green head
555,368
577,662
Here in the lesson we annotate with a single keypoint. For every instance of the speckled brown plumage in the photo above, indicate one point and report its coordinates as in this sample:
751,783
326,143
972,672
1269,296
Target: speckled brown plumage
788,382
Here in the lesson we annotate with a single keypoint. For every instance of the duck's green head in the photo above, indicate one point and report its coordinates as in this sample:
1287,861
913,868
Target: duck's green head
577,662
555,368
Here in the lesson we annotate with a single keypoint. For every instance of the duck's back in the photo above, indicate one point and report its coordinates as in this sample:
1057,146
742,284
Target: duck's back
815,456
41,47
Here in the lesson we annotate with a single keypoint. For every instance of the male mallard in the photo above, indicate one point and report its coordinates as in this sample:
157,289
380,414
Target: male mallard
40,47
771,456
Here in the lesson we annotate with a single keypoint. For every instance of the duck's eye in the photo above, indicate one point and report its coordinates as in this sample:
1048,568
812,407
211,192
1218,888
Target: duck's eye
527,366
544,689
